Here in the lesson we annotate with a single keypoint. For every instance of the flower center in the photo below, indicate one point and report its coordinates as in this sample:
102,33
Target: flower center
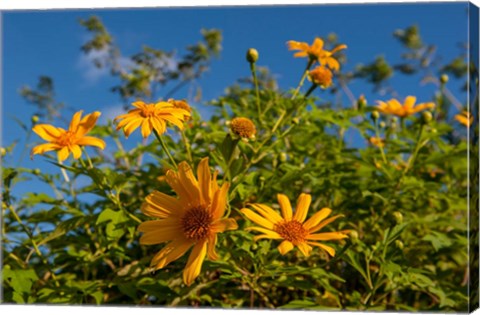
66,139
292,231
148,111
196,223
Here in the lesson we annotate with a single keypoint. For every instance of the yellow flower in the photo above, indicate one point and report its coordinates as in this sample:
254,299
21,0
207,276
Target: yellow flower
183,105
68,141
408,108
292,228
321,76
191,220
464,118
151,117
243,127
316,52
378,142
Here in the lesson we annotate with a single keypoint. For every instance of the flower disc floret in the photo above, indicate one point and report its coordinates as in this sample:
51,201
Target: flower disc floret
243,127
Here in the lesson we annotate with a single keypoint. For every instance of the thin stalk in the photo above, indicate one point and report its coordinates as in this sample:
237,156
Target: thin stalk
64,173
255,81
415,151
304,76
186,143
165,148
377,133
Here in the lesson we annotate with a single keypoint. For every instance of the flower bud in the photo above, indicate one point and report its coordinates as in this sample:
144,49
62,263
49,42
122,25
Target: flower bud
398,217
36,171
353,235
296,121
399,244
382,124
243,127
252,55
375,115
3,152
35,119
443,78
361,102
427,117
283,157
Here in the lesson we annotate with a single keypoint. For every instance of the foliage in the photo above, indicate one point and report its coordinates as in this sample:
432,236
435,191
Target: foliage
405,203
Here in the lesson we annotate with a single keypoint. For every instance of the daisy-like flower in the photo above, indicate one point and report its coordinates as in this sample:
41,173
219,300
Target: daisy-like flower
393,107
192,220
464,118
183,105
292,227
151,117
378,142
68,141
321,76
243,127
315,52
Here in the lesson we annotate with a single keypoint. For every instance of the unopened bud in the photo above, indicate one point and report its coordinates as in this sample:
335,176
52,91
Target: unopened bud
399,244
443,78
296,120
382,124
252,55
36,171
434,130
261,179
375,115
35,119
283,157
3,151
353,235
361,102
398,217
393,125
427,117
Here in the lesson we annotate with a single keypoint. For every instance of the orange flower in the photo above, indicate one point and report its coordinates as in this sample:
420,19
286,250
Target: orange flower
243,127
408,108
378,142
192,220
315,52
151,117
321,76
292,227
68,141
464,118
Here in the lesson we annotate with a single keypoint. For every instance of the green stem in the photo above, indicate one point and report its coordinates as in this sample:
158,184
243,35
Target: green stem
165,148
415,151
64,173
255,81
377,133
35,246
310,90
88,158
304,76
186,143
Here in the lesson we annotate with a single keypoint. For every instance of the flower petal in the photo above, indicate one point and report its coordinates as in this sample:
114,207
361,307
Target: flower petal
285,206
47,132
77,152
42,148
161,205
159,235
212,241
63,154
92,141
305,249
252,216
172,251
194,263
326,236
328,249
317,218
219,202
75,120
285,247
267,212
204,181
224,225
86,124
303,203
324,223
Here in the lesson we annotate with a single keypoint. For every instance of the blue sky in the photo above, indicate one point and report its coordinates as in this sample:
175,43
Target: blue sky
48,43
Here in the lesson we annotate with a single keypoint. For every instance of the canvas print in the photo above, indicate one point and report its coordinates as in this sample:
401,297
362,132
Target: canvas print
306,157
